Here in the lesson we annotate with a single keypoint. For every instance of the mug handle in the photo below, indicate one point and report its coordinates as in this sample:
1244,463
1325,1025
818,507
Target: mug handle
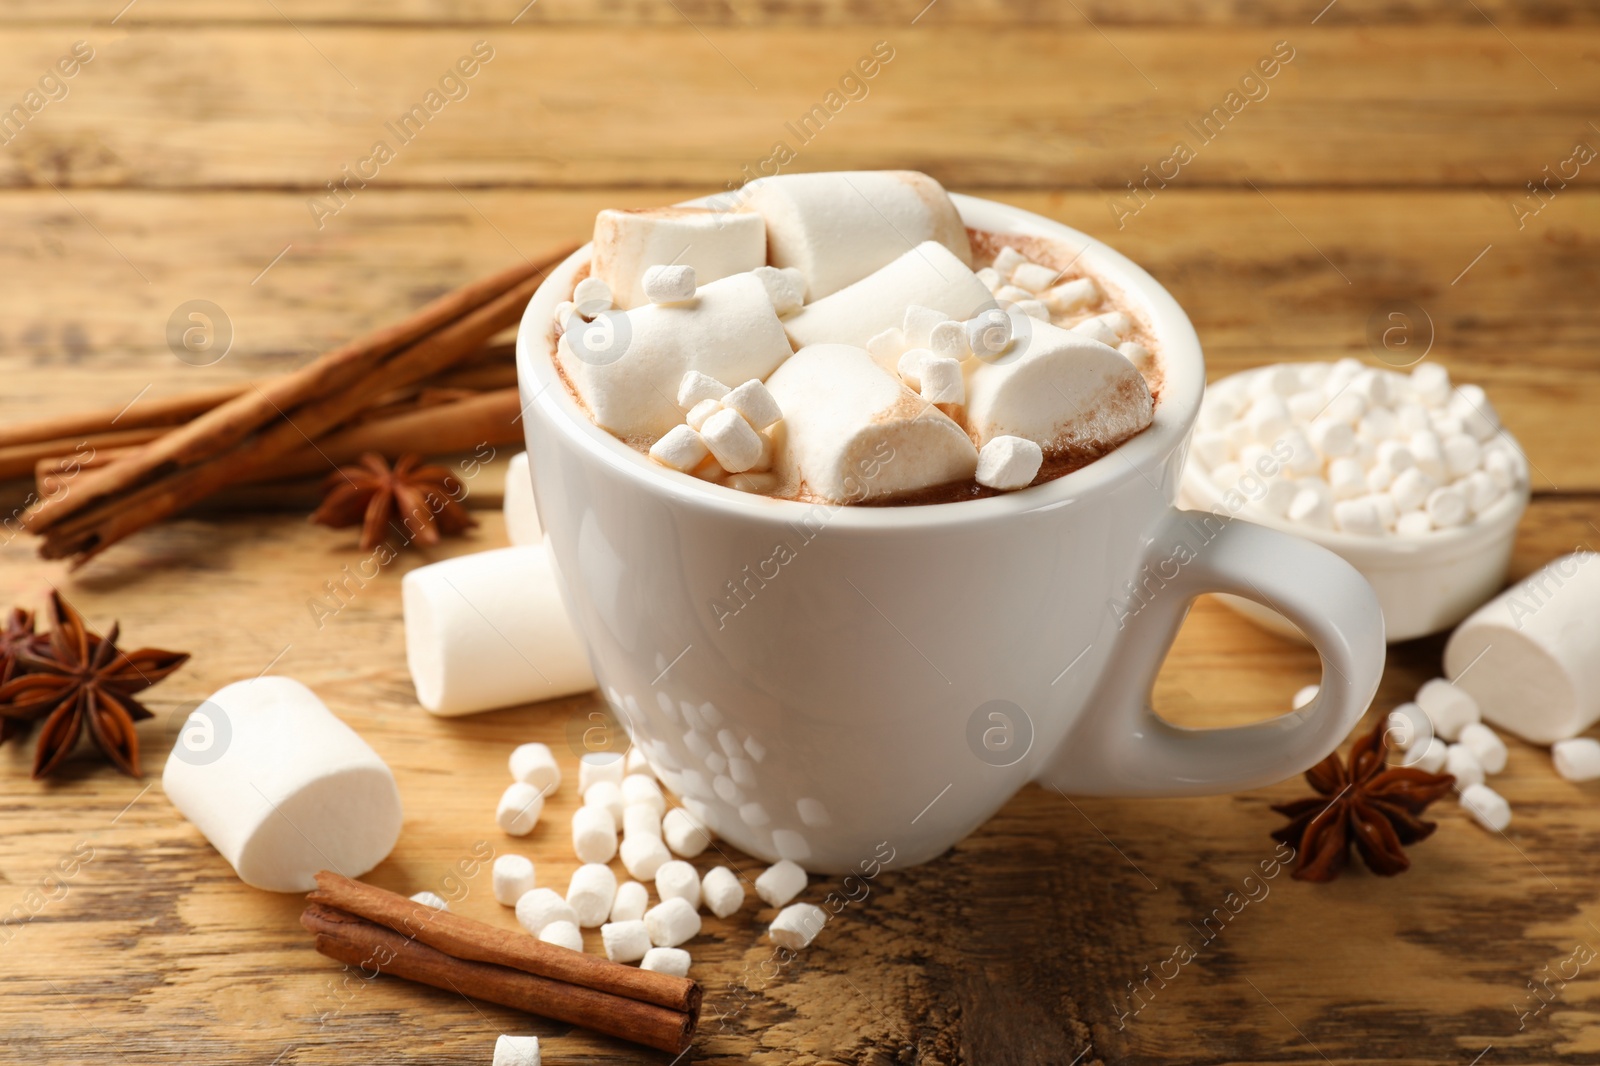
1122,748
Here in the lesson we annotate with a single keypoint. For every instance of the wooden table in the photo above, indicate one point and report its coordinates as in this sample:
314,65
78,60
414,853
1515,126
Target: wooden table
1383,166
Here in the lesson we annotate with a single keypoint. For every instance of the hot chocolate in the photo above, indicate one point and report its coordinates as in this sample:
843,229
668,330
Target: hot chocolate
845,338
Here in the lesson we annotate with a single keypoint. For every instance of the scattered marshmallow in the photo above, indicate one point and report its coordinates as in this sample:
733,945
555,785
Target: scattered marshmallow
671,922
948,340
684,833
591,892
665,284
1034,277
797,925
1576,760
431,899
696,388
513,878
1071,296
538,908
1486,806
643,856
535,764
489,630
678,880
754,403
681,448
674,961
780,883
941,382
563,934
714,244
700,412
989,334
1449,708
631,901
1406,726
637,762
625,941
1463,765
1486,745
607,795
1006,463
597,766
1431,758
516,1050
288,752
519,809
594,834
723,891
641,820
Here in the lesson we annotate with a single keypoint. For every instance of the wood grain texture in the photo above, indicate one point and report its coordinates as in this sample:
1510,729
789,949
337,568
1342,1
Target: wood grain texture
211,106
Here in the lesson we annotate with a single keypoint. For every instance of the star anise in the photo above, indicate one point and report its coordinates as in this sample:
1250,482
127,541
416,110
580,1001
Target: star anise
375,496
16,637
1366,803
83,679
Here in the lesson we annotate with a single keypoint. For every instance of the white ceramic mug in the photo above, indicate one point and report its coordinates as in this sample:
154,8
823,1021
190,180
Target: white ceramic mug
818,683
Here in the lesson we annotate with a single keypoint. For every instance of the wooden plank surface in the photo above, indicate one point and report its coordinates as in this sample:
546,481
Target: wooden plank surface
1382,168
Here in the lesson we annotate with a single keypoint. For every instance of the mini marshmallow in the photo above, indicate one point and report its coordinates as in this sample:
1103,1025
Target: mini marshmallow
665,284
723,891
780,883
641,820
1413,524
591,892
1097,329
1460,763
597,766
638,762
855,433
1331,438
431,899
909,366
631,901
990,277
1304,696
1486,806
941,381
1449,708
1011,295
755,403
642,789
607,794
671,922
887,347
948,340
1034,277
990,334
521,513
681,448
1008,463
1476,413
918,324
489,630
1431,758
625,941
1347,479
797,925
928,276
1484,743
591,295
513,878
535,765
696,388
594,834
713,244
627,366
1446,507
1575,760
293,791
674,961
731,441
1359,516
838,227
1060,390
1425,449
1007,260
1137,354
1430,384
699,413
678,880
537,909
1071,296
564,934
643,856
519,809
786,287
1530,658
684,833
516,1050
1410,489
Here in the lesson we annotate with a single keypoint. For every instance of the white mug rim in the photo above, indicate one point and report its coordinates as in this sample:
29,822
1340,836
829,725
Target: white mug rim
1183,383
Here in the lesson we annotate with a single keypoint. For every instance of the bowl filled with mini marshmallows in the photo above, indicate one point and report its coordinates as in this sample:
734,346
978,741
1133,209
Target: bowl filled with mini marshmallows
1410,478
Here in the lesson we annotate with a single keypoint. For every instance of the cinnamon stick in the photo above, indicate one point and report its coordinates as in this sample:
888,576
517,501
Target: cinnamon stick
464,938
141,414
19,460
354,941
225,445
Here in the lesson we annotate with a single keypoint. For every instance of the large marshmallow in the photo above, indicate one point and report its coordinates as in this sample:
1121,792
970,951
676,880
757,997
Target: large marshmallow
715,244
281,787
1531,657
852,432
728,331
1060,389
838,227
489,630
929,275
522,515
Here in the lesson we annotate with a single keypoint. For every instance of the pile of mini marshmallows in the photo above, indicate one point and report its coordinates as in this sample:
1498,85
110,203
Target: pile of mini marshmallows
623,794
1034,290
1356,449
722,432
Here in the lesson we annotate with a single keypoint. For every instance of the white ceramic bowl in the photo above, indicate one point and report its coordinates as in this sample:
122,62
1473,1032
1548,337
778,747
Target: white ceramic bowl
1424,585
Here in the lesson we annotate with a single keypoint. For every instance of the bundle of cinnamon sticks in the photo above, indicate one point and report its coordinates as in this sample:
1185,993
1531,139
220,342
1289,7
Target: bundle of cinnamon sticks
377,930
430,384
